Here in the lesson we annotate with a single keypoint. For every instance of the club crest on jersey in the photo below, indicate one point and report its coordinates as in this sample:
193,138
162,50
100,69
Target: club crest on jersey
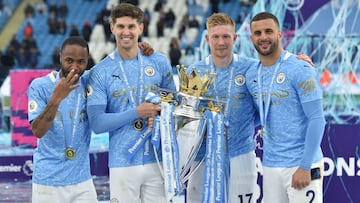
240,80
32,106
89,90
149,71
280,78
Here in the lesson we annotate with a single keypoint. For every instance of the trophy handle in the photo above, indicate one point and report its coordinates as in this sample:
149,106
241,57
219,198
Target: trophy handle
186,176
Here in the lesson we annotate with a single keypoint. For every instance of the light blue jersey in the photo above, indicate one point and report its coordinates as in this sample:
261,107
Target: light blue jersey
109,85
229,86
290,82
51,167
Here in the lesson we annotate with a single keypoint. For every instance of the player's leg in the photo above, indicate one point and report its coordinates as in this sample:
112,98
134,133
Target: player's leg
125,183
274,185
243,179
84,192
45,193
313,193
153,190
78,193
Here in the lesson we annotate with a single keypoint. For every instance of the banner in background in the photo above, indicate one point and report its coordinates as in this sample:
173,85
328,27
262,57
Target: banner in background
21,134
341,144
342,163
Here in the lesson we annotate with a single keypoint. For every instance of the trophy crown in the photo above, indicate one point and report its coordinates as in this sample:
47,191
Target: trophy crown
193,83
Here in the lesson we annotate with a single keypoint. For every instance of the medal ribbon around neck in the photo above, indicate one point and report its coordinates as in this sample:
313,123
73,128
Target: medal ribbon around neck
228,91
70,121
140,81
70,149
142,138
264,108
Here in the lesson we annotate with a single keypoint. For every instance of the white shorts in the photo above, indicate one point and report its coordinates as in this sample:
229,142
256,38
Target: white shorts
136,184
78,193
243,181
277,186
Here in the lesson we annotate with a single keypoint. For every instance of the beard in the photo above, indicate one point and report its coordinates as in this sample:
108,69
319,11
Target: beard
273,46
64,72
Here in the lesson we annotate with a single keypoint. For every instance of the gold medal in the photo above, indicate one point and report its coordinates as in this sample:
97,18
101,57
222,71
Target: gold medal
139,124
70,152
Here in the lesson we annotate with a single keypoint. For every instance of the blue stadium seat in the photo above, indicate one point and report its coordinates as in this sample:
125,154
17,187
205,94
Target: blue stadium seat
79,12
4,14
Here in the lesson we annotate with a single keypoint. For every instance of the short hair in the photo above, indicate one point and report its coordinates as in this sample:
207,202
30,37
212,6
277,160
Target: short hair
220,19
263,16
75,40
127,10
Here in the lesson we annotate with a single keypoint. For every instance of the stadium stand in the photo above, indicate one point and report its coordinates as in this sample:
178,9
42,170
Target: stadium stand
85,10
100,45
6,10
78,12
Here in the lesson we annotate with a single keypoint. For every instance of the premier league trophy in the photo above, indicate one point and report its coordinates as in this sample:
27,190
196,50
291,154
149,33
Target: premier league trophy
182,128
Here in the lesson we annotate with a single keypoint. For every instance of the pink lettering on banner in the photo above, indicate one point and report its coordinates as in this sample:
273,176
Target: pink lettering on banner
20,80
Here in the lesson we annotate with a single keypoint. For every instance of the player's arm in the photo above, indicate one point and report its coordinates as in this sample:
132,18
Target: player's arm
41,124
314,133
100,121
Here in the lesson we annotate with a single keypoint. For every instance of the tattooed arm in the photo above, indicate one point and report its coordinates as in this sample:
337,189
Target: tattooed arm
41,124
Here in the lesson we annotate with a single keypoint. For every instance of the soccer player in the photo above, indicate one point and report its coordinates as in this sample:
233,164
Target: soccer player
229,86
57,114
288,96
116,104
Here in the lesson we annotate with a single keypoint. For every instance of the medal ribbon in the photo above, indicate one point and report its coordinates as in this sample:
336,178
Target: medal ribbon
69,118
264,108
142,137
140,81
76,115
67,127
228,91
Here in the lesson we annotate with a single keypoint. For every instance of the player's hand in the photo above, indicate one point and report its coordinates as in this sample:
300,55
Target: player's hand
150,122
146,48
66,85
301,179
147,109
306,58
